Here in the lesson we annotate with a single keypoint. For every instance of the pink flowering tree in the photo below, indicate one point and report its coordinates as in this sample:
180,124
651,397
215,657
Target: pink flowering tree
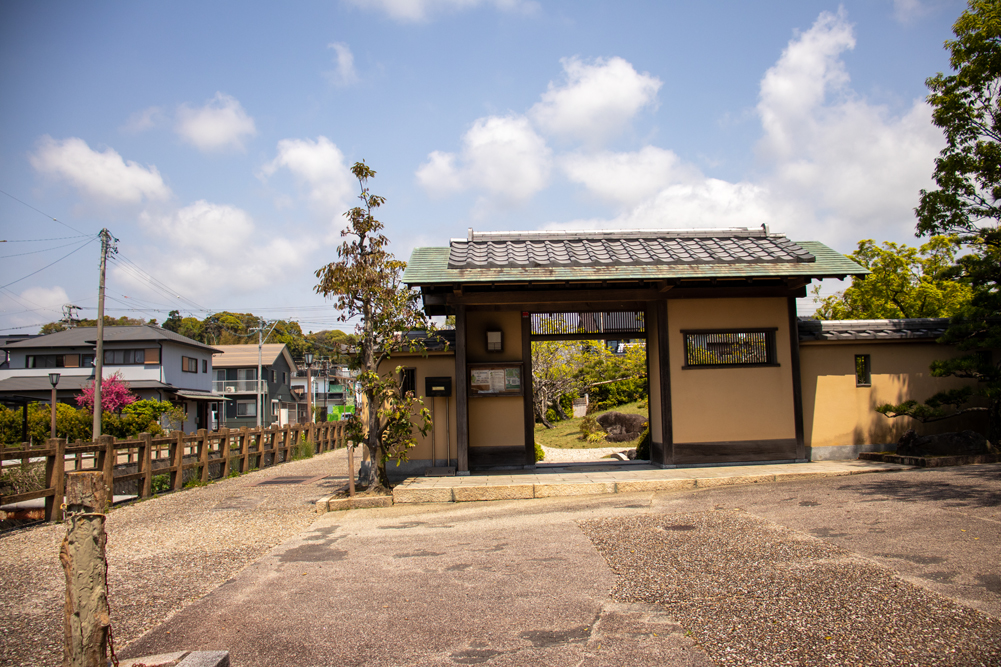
115,395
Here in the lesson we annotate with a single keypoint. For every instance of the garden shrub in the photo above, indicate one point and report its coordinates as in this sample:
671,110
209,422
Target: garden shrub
643,446
539,453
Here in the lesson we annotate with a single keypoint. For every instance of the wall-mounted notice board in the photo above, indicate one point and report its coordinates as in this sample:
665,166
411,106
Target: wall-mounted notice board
495,379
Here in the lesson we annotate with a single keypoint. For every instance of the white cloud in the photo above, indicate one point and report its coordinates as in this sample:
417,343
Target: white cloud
628,178
854,164
34,305
500,154
596,102
147,119
421,10
700,204
102,177
906,11
213,248
320,166
345,74
222,123
832,166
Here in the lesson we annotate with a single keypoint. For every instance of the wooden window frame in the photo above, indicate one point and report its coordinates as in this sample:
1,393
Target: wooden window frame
252,404
408,371
771,349
189,365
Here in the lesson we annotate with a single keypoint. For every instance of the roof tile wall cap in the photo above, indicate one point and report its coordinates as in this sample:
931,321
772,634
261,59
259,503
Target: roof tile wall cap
730,232
870,325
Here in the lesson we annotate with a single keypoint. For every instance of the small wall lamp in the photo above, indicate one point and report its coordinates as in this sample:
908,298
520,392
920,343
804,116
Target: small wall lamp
495,341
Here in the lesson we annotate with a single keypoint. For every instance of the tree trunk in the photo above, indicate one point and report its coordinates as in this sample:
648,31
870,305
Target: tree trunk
558,406
540,411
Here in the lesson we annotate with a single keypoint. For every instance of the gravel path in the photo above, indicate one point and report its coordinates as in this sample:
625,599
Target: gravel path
157,563
559,455
752,592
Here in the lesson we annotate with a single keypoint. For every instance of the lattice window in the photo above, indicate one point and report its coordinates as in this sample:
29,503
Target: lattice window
726,348
863,370
587,323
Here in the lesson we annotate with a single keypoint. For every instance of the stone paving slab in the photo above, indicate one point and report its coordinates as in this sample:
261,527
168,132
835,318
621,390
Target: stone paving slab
554,482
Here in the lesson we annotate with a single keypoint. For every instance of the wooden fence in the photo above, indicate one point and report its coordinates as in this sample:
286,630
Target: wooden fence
204,455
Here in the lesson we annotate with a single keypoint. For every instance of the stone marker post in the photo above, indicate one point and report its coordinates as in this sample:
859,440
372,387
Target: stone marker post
87,618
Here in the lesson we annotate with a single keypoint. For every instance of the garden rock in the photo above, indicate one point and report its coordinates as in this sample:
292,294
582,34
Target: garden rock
621,427
944,444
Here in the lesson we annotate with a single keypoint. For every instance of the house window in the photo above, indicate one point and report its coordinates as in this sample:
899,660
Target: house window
408,381
246,408
274,376
189,364
274,408
246,379
47,360
284,377
729,348
124,357
205,365
863,370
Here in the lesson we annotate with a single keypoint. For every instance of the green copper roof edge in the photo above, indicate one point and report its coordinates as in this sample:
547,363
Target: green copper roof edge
429,265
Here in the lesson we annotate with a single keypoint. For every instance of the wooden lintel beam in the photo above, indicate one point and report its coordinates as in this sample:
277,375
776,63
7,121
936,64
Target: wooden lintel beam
552,296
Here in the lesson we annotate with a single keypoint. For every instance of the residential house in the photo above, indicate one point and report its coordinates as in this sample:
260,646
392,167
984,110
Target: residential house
157,363
333,387
236,377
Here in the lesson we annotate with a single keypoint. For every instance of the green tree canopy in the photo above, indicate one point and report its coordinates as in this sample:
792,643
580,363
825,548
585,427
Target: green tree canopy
905,282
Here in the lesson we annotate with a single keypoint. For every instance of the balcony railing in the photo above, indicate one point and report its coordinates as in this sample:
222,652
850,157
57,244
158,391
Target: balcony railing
235,386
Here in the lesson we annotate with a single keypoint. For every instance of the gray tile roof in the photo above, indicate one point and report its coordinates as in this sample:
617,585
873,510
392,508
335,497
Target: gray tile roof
429,266
87,336
623,248
928,328
66,383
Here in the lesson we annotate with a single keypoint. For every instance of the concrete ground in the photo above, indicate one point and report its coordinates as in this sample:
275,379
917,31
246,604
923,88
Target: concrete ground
518,582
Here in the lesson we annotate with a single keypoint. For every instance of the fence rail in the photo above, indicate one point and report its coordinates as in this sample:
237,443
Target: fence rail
202,456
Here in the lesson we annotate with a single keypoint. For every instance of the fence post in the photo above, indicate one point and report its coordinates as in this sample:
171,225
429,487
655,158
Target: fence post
55,466
177,462
283,447
109,458
146,465
244,449
273,442
224,434
203,454
86,615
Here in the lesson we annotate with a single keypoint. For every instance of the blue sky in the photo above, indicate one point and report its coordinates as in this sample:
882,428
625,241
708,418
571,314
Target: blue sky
214,139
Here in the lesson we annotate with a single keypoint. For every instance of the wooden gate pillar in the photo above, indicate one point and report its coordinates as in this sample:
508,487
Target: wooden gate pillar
461,394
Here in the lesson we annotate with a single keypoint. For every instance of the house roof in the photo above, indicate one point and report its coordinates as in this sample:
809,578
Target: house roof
928,328
242,356
68,383
488,257
87,336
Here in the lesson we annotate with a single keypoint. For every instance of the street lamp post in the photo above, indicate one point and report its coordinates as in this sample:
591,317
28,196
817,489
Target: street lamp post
53,380
309,387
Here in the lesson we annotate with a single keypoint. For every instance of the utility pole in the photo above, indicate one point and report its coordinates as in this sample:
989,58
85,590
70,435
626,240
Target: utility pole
260,351
107,241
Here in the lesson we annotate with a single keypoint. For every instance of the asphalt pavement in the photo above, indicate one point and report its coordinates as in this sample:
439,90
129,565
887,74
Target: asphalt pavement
520,582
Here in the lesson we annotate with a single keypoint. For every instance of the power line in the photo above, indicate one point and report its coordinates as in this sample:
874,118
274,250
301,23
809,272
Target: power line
154,282
35,252
58,238
43,213
48,265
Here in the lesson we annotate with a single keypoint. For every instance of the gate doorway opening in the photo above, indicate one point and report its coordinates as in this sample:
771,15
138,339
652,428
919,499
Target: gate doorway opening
589,385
